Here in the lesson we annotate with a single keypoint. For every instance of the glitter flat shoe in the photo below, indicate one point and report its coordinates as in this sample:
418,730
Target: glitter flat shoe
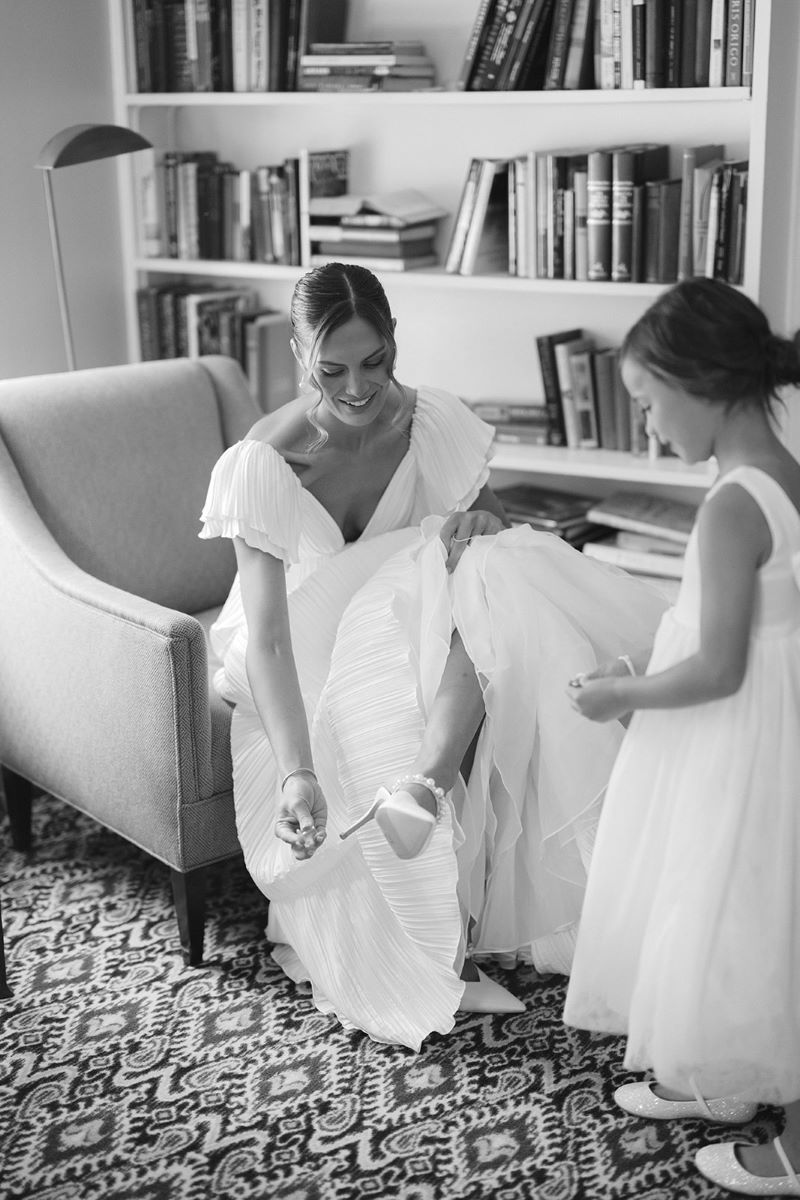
721,1165
640,1100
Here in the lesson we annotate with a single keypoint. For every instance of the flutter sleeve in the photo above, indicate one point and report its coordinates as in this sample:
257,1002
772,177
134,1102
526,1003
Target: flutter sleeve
453,448
254,494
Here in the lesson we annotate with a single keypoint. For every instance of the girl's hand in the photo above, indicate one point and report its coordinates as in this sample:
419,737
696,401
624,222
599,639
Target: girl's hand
302,815
461,527
597,698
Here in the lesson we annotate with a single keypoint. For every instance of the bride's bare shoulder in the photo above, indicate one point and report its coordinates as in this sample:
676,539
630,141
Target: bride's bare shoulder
286,429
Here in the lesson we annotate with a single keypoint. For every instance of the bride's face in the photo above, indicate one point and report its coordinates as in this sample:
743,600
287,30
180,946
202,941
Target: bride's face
353,372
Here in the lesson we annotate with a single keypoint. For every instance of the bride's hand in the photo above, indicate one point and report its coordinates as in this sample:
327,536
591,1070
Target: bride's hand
302,815
461,527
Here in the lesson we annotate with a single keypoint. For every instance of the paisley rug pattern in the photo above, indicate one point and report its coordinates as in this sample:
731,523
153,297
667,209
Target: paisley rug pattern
126,1076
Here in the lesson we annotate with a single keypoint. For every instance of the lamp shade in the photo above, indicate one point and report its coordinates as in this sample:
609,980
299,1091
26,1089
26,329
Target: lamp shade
85,143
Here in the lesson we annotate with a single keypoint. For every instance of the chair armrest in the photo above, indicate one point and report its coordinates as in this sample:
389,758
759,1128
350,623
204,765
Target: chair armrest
103,694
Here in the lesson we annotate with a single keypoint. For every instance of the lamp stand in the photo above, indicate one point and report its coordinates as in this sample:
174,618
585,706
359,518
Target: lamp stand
61,289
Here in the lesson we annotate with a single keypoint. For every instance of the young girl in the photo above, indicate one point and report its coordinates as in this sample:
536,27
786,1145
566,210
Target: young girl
689,937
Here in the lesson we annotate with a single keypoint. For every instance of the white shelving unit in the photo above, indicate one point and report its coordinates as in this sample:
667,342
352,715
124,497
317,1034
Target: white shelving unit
476,335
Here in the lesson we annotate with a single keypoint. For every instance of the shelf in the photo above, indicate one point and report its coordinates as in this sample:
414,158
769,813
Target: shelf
419,279
436,98
602,464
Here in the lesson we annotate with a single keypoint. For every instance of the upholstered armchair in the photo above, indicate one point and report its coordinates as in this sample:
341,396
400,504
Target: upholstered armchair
106,596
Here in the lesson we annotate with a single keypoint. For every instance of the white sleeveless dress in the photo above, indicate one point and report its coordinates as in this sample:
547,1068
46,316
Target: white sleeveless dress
380,939
689,936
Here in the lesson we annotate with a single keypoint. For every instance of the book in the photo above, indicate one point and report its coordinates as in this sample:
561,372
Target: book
605,366
604,45
545,349
638,36
484,74
662,224
655,43
748,16
598,217
628,540
691,158
673,35
638,562
530,14
623,404
496,58
547,508
563,351
392,209
703,185
269,364
626,45
361,248
716,56
580,217
486,242
527,68
581,369
374,235
319,21
475,44
643,512
378,264
733,43
688,43
524,433
320,174
560,30
702,47
506,412
578,69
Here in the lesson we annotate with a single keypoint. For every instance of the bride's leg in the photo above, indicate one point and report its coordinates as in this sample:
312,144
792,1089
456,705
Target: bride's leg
454,719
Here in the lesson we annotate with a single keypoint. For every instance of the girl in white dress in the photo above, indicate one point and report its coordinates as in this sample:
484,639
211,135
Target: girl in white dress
689,935
384,615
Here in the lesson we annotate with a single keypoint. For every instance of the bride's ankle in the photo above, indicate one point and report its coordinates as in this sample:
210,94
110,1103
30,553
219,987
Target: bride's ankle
424,789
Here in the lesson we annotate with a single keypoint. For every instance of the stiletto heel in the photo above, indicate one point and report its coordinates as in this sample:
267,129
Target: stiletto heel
483,995
405,824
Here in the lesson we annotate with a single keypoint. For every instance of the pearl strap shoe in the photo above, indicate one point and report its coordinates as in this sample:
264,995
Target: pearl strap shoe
721,1165
405,824
640,1100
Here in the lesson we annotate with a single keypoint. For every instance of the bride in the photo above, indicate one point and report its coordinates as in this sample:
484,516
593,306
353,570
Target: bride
412,788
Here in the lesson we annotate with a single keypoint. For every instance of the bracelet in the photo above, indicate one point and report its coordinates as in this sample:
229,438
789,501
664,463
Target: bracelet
628,661
425,781
298,771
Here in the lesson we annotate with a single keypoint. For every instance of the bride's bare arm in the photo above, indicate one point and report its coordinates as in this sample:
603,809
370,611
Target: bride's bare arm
272,675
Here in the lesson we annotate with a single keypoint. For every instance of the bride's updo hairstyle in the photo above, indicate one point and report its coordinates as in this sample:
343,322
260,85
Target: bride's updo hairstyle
327,297
716,344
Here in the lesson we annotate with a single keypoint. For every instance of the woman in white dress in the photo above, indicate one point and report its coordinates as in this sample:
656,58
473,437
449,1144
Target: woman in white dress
394,651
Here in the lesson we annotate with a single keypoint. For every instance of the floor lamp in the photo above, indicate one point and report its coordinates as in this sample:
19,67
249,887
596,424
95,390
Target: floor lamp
78,144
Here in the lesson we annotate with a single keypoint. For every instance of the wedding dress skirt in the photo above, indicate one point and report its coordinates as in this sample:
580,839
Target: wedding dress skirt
382,939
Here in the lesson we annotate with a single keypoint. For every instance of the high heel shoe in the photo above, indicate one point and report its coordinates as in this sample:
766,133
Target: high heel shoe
405,824
483,995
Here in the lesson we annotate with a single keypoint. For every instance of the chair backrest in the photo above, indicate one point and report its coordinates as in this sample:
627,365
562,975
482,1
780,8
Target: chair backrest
116,460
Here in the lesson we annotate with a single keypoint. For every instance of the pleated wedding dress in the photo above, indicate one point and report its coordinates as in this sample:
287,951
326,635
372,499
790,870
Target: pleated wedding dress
382,939
688,940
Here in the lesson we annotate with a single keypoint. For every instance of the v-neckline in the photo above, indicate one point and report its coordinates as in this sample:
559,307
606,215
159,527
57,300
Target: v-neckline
389,484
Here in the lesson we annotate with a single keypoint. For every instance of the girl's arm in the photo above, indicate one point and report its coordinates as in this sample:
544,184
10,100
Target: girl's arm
272,675
733,541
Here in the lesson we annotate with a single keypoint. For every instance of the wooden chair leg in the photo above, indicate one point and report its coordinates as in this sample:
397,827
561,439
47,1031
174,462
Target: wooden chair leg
5,990
19,795
189,891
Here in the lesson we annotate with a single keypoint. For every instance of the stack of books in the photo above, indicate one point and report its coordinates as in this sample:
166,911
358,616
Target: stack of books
514,422
645,534
389,231
565,514
390,66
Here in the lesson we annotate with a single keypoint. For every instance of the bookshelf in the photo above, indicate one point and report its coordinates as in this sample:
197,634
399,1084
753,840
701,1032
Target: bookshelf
476,335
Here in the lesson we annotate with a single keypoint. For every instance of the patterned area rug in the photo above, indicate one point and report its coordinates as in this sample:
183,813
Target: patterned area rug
127,1075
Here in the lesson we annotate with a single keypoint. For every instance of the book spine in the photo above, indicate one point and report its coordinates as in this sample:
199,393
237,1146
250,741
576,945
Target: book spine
480,80
559,44
568,410
685,231
716,58
674,20
721,244
203,76
581,210
598,218
639,53
655,44
475,43
733,43
583,398
605,363
669,221
748,14
221,48
605,50
688,43
258,71
463,218
501,50
556,432
626,45
713,223
622,182
240,40
702,50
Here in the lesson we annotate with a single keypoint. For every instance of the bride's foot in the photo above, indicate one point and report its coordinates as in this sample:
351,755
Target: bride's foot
407,815
482,994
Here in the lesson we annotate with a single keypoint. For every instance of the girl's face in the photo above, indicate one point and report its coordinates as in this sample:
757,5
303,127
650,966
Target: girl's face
676,418
353,372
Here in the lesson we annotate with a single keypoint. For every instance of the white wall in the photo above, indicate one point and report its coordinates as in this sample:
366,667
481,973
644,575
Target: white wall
55,72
